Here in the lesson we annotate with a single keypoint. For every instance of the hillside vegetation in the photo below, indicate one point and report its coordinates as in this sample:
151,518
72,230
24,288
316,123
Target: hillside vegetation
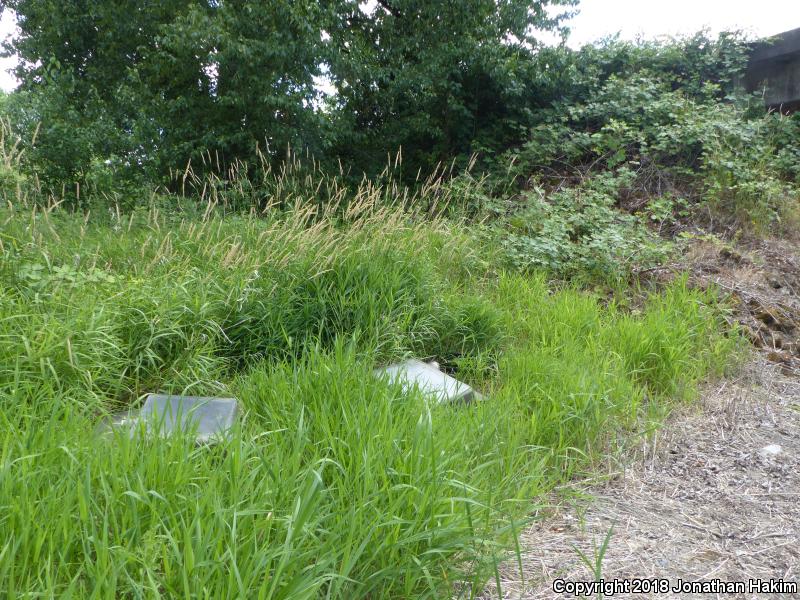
491,205
336,483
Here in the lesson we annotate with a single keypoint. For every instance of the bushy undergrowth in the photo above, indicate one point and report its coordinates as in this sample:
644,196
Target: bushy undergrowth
727,158
335,484
612,149
634,141
579,232
599,189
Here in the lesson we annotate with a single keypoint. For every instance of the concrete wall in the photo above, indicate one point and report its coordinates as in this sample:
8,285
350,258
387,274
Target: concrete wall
774,69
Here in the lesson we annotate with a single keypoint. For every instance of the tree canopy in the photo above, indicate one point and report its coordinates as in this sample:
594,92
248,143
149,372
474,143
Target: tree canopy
149,86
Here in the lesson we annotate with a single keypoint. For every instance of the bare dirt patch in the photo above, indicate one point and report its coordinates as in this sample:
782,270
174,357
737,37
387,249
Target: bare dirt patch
704,499
764,279
715,494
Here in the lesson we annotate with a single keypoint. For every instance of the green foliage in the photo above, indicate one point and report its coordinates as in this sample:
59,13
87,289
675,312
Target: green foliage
785,132
80,68
218,98
260,276
702,67
663,118
629,120
741,180
257,63
154,87
433,95
336,483
158,86
579,232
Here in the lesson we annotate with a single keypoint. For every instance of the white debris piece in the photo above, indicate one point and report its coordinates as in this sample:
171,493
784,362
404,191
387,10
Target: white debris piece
430,381
771,450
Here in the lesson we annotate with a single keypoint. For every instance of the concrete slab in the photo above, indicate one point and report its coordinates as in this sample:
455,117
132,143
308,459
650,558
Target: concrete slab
430,381
210,418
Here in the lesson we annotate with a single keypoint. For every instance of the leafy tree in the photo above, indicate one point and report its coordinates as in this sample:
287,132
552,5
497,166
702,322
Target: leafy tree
255,80
155,84
152,85
81,82
437,77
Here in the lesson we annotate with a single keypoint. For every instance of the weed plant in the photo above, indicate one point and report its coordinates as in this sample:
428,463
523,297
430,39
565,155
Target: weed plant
335,484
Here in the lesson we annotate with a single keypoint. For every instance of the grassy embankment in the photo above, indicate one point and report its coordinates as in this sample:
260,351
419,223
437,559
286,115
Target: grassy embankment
335,484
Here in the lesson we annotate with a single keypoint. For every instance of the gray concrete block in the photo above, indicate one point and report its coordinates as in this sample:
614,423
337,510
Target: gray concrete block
210,418
430,381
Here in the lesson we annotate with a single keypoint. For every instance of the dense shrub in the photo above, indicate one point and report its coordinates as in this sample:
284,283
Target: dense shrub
669,128
579,232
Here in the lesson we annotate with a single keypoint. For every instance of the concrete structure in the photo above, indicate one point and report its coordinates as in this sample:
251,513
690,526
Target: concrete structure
429,380
208,418
774,69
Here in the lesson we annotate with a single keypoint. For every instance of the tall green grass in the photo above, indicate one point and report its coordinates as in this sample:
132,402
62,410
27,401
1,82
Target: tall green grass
335,484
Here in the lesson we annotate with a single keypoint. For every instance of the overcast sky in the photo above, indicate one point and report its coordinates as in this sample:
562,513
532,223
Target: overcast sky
652,18
631,18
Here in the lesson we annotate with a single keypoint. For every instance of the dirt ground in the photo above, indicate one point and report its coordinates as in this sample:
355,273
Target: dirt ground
715,494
